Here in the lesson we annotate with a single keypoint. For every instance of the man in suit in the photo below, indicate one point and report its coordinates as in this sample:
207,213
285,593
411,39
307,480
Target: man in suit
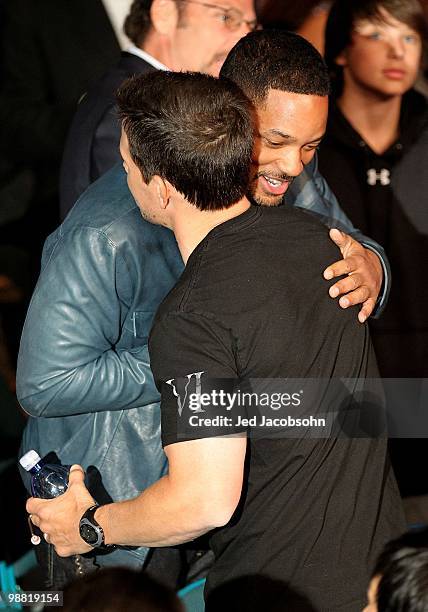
165,34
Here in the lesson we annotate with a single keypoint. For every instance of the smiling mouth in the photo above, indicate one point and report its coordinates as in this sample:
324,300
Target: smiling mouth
273,185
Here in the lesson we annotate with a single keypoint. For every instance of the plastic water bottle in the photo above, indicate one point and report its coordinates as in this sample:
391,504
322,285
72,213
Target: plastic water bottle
47,481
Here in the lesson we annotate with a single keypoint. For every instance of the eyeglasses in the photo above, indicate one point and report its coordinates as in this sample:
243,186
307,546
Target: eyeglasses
232,18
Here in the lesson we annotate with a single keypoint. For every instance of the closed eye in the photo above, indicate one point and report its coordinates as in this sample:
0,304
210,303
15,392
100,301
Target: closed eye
273,143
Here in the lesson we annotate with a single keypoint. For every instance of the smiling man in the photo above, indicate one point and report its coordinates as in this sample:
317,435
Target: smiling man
290,122
240,311
290,126
107,261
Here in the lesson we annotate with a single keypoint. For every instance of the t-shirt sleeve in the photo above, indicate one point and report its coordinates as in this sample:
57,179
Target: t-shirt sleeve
191,356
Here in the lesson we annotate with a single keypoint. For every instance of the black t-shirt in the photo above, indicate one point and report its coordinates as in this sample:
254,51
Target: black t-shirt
252,304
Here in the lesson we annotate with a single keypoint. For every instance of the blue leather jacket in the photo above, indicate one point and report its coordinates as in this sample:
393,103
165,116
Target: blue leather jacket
83,369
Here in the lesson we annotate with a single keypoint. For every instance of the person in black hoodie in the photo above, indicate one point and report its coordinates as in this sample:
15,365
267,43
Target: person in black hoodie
372,157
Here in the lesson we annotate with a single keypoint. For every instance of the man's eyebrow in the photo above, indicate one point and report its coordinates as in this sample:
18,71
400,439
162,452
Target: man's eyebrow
276,132
287,137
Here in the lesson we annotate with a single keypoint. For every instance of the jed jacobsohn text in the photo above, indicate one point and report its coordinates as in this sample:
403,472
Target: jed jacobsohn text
219,398
289,408
255,421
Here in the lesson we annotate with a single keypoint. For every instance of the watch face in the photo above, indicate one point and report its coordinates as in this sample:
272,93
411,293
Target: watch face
89,533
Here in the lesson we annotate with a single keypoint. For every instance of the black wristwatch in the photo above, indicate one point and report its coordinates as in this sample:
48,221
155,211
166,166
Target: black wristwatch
90,531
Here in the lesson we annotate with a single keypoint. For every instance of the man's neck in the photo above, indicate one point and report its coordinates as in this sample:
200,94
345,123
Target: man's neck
149,59
375,118
193,225
158,47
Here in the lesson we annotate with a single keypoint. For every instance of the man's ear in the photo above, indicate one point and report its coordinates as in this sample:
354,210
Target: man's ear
161,190
164,16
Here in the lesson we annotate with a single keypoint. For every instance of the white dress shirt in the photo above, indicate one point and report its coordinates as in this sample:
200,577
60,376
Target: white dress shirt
147,57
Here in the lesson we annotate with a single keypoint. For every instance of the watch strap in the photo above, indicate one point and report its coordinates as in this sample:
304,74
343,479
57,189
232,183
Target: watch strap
89,517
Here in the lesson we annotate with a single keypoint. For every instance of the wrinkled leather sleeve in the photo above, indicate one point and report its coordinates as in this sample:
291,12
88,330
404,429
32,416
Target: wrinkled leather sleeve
68,360
310,191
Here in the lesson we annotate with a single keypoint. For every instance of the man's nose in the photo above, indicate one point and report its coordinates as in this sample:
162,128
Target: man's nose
291,162
396,48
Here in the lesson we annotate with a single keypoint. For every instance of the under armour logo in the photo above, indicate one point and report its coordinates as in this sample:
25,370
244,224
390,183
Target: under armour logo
182,402
383,177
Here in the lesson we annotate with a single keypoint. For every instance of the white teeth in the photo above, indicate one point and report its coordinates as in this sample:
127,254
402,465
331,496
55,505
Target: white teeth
273,182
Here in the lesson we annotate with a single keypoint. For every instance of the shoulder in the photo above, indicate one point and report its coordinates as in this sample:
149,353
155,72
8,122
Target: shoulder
107,210
106,202
103,91
106,213
180,341
295,228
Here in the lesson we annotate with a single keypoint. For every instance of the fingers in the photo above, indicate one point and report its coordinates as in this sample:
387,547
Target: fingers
41,513
343,267
339,238
76,476
35,519
346,285
361,273
39,522
358,296
366,310
35,505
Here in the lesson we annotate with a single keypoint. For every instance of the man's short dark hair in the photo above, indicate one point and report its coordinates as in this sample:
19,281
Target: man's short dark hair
276,59
415,539
345,13
193,130
404,585
403,571
137,22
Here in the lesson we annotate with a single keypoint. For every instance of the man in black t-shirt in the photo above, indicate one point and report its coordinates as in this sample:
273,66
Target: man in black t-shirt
311,510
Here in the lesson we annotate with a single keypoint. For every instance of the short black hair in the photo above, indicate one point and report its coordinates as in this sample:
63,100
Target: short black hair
192,129
402,568
415,539
404,585
345,13
276,59
137,22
